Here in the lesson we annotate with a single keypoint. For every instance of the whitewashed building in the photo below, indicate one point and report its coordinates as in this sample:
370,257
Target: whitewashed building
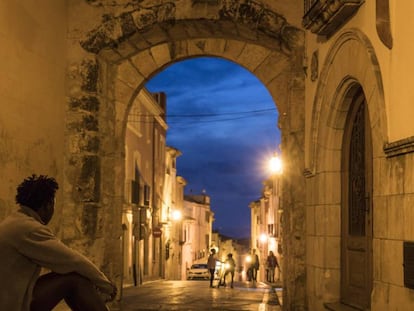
197,229
173,207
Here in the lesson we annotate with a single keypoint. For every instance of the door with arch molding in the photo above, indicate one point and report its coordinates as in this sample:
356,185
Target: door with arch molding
356,224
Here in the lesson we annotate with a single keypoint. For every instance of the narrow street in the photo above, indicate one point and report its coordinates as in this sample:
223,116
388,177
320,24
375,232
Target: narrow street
196,295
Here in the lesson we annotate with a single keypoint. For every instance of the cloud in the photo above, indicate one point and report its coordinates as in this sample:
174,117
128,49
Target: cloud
216,120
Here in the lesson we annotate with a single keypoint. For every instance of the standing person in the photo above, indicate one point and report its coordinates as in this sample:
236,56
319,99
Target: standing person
230,265
255,264
27,245
271,263
211,265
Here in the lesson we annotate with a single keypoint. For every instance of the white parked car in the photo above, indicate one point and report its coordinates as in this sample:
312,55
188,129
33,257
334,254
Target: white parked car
198,271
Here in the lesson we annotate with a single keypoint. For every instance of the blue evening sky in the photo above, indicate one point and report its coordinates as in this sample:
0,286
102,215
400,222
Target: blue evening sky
223,120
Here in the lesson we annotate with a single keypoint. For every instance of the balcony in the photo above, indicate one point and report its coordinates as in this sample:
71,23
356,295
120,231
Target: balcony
324,17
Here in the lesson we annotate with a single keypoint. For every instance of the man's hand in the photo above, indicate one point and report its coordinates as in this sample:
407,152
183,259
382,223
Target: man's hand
113,294
109,292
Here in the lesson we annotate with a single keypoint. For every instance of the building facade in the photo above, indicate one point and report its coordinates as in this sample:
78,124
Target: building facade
265,215
198,228
173,207
142,215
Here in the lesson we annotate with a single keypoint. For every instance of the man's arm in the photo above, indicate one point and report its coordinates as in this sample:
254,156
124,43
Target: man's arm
44,249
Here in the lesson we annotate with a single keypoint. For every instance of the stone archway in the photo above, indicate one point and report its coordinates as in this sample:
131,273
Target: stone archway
114,58
331,107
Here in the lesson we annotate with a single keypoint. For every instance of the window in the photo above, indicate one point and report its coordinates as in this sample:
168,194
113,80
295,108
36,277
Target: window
134,192
135,186
207,240
147,195
270,229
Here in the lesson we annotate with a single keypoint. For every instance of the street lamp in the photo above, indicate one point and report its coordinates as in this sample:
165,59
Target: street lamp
276,168
176,215
263,238
275,165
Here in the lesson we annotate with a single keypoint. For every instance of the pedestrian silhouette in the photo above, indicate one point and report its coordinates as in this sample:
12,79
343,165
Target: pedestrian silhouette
211,265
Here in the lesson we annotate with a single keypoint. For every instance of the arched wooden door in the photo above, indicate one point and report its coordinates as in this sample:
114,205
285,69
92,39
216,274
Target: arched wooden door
356,243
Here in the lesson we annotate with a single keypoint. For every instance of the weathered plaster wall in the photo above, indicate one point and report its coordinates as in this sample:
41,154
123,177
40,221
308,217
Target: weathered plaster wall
400,70
32,89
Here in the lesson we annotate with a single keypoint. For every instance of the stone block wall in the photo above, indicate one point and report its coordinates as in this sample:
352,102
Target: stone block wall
393,225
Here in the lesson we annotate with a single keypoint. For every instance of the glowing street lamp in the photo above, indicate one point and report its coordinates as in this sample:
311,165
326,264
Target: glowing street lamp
176,215
275,165
263,238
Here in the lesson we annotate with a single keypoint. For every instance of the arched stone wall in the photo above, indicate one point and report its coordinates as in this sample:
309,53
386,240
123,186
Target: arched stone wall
110,63
323,210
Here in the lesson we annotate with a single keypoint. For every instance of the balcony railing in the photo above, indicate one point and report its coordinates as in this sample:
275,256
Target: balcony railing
324,17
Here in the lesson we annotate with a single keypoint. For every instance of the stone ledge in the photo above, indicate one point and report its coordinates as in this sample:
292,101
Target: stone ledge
399,147
337,306
326,17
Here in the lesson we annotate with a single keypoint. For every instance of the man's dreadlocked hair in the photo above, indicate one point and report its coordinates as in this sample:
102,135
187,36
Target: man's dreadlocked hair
36,191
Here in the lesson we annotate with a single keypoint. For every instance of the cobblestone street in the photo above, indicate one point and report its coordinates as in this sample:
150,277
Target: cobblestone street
196,295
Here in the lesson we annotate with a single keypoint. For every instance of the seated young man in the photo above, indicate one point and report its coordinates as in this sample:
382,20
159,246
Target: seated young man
27,245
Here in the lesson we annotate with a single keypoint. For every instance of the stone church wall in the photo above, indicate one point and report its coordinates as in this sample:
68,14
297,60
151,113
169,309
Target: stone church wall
355,54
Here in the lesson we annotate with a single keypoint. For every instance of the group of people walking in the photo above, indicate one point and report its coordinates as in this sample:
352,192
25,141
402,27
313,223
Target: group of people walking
230,265
229,268
271,265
